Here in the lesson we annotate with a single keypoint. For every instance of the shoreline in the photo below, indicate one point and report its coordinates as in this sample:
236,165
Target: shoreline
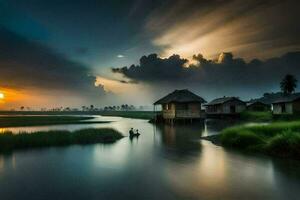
56,138
214,139
117,113
277,139
20,121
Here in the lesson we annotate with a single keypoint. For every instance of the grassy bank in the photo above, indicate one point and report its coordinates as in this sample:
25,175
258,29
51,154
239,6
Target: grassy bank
14,121
10,141
278,138
130,114
267,116
253,116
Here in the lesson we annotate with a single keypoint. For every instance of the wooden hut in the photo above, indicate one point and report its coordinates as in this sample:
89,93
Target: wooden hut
225,106
181,105
263,103
258,105
288,104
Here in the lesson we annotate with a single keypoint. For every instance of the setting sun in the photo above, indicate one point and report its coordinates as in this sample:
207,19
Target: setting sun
1,96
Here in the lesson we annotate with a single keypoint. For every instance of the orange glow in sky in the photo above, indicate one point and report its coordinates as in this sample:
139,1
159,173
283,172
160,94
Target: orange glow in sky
11,97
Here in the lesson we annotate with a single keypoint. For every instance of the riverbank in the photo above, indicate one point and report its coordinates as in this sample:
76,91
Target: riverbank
17,121
266,116
10,141
278,139
256,116
129,114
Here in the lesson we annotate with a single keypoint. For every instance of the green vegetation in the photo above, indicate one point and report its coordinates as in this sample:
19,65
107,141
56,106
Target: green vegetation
14,121
10,141
288,84
263,116
130,114
279,138
286,117
266,116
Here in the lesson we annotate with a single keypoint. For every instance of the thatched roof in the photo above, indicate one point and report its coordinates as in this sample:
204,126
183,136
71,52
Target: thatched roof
261,102
268,98
222,100
180,96
288,98
278,97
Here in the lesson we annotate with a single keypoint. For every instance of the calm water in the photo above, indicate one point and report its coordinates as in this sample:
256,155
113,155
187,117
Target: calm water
163,163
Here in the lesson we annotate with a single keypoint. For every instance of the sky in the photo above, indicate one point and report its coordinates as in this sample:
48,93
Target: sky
57,53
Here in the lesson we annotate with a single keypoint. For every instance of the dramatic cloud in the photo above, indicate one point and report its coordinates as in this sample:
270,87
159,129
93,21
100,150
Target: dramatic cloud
249,28
227,74
153,68
66,50
29,66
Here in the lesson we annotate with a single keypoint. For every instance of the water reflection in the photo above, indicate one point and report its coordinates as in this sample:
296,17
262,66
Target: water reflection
181,140
7,161
214,126
164,162
131,137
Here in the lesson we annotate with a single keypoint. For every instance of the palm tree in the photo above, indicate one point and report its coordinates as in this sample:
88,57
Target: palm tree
288,84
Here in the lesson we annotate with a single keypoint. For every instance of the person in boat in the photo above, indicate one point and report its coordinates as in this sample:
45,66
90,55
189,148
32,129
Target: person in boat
131,132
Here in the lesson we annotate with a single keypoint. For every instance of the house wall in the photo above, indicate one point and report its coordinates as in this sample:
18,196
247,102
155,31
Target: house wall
277,108
188,111
258,107
169,106
238,108
289,108
168,111
296,106
181,110
226,107
194,106
214,109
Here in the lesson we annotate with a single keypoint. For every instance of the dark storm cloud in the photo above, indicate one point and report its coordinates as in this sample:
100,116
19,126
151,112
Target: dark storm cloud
27,64
226,72
154,68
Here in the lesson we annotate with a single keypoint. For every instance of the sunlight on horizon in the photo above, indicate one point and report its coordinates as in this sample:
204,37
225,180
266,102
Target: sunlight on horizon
2,95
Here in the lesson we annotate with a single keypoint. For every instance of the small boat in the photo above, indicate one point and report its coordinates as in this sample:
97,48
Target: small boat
135,135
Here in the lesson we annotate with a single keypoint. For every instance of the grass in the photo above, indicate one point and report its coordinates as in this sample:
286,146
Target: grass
286,117
130,114
267,116
14,121
10,141
278,138
256,116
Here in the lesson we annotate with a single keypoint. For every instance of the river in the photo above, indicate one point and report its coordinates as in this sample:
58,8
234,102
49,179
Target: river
165,162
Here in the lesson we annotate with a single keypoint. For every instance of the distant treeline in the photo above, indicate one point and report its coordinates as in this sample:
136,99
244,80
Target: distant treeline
122,107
